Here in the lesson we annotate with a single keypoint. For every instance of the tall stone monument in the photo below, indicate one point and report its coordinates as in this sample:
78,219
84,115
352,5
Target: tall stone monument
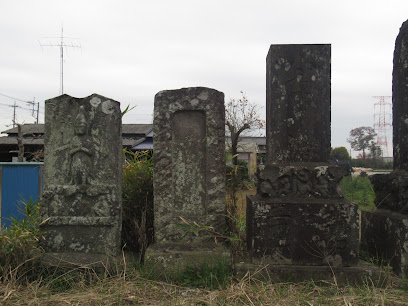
385,231
189,171
83,172
299,216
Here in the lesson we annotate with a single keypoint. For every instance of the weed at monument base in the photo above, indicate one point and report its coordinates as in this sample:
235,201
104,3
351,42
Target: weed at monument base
19,244
137,205
237,182
359,190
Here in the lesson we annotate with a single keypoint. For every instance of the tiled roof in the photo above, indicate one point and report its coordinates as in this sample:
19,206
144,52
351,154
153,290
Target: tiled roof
126,129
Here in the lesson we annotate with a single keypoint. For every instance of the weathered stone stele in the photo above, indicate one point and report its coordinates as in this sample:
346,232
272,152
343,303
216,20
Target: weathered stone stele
299,215
189,160
298,103
83,175
189,169
400,99
385,231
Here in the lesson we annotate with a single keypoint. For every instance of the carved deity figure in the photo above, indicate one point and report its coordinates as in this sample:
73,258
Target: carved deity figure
80,151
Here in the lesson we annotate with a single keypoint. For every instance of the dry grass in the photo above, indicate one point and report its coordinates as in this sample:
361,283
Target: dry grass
241,203
133,289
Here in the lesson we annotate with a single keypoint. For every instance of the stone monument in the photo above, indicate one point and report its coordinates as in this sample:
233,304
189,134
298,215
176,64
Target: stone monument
385,231
83,172
299,216
189,172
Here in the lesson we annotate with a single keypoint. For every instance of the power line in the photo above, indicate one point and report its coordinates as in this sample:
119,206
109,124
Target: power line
14,98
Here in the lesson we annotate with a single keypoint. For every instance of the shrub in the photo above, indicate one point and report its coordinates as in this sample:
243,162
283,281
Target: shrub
19,244
359,190
137,224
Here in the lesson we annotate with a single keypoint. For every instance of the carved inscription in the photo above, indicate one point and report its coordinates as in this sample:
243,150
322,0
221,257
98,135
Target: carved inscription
189,161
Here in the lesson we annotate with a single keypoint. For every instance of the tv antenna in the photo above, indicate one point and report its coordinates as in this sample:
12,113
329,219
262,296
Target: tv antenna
61,44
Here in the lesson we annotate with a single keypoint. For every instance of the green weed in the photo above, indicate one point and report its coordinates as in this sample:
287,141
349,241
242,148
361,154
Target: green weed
359,190
137,205
19,244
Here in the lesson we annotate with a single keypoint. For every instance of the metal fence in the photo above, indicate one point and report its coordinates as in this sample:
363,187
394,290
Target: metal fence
18,182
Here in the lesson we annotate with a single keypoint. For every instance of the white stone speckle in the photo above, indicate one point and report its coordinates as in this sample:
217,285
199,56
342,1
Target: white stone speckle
95,101
290,121
107,107
195,102
203,95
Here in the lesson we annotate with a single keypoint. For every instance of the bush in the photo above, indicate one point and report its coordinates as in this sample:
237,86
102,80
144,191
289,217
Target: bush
359,190
237,174
19,244
137,190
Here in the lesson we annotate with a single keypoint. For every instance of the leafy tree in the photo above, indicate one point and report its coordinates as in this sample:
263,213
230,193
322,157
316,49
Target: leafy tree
339,153
375,151
361,137
241,115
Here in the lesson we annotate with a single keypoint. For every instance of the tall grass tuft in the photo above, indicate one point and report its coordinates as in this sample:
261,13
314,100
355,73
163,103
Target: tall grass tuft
237,181
137,224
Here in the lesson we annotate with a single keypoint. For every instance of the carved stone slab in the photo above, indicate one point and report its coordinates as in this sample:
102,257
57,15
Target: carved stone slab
83,174
303,231
400,99
384,236
297,179
298,103
189,160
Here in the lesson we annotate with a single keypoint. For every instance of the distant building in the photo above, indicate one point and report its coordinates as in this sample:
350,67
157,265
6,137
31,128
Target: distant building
33,140
135,137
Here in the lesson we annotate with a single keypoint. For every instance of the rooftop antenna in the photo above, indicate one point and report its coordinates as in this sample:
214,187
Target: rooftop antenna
61,44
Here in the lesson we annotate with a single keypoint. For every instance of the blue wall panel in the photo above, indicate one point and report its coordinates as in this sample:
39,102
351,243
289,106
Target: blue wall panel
18,182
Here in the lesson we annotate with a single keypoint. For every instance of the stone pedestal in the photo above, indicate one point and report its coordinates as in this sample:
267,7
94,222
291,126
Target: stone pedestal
299,217
189,172
384,237
81,203
384,233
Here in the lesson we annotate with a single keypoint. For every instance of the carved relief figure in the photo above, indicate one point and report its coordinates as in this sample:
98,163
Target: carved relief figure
80,151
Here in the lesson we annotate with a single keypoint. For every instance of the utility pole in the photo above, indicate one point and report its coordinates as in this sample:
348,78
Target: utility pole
14,113
33,104
61,44
38,111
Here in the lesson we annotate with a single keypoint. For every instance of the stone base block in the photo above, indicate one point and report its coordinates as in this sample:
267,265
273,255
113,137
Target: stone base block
91,261
295,231
81,235
361,273
170,257
384,236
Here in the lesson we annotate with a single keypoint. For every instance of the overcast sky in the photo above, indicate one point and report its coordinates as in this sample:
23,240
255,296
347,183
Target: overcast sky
130,50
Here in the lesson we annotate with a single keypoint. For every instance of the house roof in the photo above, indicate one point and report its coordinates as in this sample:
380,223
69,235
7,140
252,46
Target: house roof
144,144
259,140
26,141
137,128
126,129
27,129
